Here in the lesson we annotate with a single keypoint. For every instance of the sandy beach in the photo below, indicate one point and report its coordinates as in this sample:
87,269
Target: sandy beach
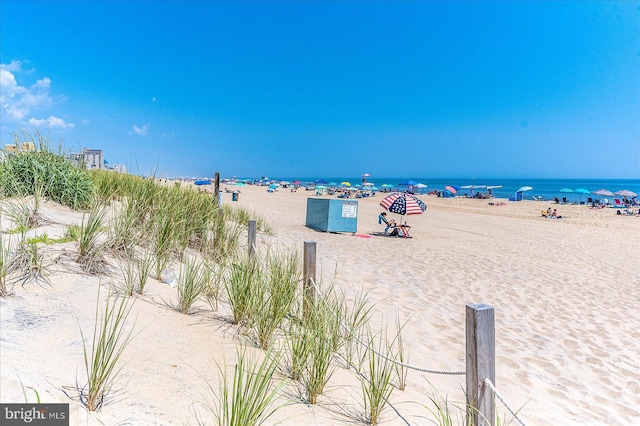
565,293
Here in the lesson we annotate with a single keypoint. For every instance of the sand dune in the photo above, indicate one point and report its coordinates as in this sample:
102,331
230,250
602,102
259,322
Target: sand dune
565,294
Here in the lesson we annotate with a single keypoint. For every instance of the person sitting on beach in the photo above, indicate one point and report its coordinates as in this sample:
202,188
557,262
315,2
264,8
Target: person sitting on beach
555,215
382,219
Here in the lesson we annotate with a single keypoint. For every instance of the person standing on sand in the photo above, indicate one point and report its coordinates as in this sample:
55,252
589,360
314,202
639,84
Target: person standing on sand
382,219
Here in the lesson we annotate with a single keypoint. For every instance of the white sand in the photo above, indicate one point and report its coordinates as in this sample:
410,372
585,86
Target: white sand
565,294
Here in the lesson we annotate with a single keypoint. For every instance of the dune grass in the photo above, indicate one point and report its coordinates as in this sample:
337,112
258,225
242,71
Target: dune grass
90,247
319,329
275,295
29,264
111,335
6,263
249,399
215,274
376,381
191,284
45,170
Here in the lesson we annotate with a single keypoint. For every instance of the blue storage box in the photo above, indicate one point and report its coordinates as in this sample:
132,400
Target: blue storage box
332,215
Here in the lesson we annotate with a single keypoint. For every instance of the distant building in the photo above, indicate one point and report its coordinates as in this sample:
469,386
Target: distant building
120,168
93,158
13,148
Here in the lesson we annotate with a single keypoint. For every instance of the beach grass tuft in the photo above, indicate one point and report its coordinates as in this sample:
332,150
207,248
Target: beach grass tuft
248,399
6,264
191,284
376,381
111,335
90,248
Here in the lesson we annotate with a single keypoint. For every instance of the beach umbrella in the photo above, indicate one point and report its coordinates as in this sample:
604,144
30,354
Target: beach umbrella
581,191
240,184
451,189
525,188
626,193
345,183
296,182
604,192
403,204
321,182
408,183
202,182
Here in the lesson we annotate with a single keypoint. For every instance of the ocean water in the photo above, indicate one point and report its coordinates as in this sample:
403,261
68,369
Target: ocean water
545,188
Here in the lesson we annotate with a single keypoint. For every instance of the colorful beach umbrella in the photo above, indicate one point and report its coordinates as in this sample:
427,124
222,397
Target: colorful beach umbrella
451,189
345,183
202,182
403,204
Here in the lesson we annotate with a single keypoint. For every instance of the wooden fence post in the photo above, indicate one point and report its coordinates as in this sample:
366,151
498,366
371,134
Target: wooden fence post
252,238
309,277
216,189
481,364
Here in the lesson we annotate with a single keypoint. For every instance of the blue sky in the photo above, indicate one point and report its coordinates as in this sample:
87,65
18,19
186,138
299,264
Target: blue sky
284,89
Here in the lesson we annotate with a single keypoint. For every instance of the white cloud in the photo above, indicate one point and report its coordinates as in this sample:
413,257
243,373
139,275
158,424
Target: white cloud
85,122
153,99
18,101
52,123
13,66
139,131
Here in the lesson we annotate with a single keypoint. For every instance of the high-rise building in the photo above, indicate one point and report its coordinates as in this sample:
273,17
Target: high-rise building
93,158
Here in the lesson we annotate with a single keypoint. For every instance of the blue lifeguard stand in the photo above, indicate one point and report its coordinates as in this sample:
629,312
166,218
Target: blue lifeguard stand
332,215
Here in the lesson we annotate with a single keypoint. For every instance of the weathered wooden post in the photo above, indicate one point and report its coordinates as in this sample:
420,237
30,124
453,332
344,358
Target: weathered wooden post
481,364
252,238
309,277
216,190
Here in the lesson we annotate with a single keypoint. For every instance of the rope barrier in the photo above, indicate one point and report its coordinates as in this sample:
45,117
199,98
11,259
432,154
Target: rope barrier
490,385
402,364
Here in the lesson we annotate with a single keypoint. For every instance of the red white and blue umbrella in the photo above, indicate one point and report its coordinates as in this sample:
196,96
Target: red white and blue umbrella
403,204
